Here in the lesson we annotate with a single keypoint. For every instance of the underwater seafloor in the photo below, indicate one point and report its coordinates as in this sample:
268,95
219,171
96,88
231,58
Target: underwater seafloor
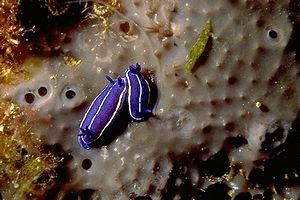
229,128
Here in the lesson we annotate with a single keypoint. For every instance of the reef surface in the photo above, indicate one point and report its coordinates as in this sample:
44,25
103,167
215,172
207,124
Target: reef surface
228,129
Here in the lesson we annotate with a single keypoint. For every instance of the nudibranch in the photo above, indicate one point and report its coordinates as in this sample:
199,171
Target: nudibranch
138,94
107,106
103,111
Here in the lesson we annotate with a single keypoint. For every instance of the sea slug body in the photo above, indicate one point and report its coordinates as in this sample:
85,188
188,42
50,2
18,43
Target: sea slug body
103,111
138,94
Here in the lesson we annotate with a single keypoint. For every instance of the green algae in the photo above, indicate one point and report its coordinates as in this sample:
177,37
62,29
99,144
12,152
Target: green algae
199,46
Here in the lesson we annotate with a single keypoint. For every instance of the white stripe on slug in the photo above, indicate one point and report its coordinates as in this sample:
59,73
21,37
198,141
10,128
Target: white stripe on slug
140,93
86,113
93,119
129,98
85,141
115,112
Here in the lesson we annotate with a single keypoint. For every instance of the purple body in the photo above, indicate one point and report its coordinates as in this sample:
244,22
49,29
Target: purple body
103,111
138,94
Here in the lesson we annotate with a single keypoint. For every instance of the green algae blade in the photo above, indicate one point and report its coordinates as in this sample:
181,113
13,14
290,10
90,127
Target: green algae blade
199,46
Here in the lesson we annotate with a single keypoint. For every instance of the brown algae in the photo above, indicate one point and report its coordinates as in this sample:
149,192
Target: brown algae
24,165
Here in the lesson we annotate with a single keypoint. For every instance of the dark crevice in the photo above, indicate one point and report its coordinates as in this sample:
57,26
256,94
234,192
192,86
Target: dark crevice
87,194
271,138
243,196
70,196
143,198
47,25
180,179
214,191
